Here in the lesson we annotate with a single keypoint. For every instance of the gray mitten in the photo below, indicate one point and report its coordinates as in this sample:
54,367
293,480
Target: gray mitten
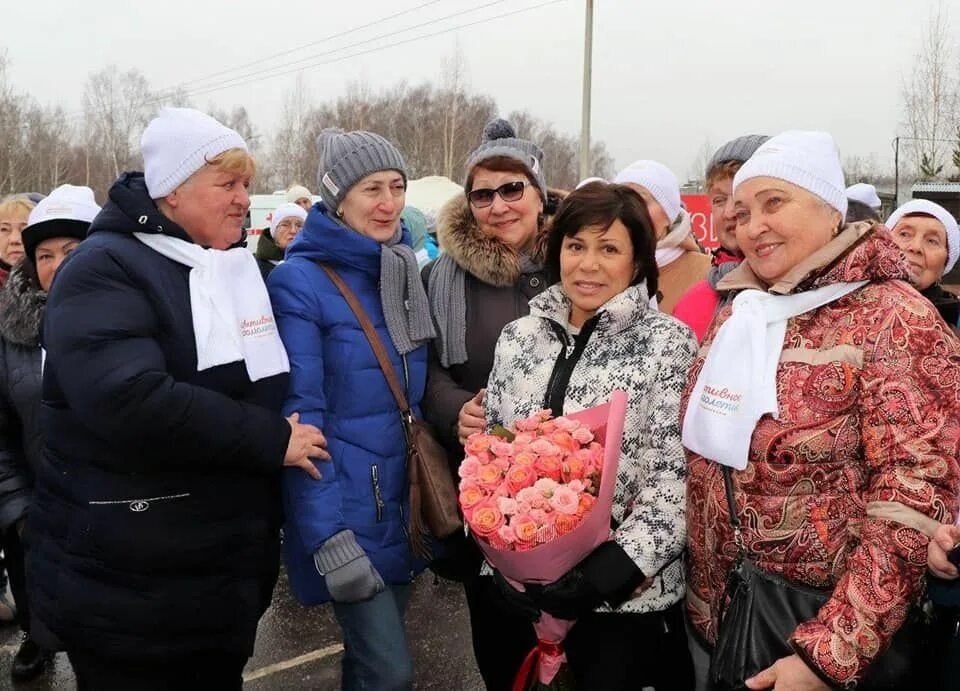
349,575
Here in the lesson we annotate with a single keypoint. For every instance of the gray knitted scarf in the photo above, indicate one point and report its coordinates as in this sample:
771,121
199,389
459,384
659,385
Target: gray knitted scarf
405,305
447,291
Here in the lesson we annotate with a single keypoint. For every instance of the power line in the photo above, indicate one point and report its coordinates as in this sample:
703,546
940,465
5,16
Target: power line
202,91
225,83
298,48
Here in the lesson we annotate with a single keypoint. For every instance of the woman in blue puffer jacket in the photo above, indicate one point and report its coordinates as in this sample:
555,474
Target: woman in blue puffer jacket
346,535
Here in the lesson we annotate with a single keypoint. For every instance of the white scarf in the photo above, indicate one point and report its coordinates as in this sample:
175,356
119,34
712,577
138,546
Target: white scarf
738,382
668,248
232,317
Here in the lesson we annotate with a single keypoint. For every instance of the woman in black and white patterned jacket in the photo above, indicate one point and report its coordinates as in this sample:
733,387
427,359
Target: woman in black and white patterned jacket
586,336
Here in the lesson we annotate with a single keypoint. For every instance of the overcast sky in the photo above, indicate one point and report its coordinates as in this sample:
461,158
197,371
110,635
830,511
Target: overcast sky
668,75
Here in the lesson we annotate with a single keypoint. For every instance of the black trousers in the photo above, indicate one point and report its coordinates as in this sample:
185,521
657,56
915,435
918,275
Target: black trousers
605,651
13,550
208,671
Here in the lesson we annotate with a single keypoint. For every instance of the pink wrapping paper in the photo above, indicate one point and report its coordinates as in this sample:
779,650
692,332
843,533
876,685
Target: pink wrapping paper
546,563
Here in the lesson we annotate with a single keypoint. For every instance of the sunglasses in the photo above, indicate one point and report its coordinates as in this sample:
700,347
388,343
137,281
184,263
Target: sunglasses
509,192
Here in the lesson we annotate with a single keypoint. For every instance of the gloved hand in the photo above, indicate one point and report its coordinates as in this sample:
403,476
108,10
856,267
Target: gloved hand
520,602
606,575
346,568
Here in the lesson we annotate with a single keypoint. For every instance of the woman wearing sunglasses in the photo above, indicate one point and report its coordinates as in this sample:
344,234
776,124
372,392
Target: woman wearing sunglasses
492,264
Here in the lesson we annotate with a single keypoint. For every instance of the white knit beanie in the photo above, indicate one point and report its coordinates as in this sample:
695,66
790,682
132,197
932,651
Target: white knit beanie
808,159
925,206
66,203
286,211
298,192
865,194
658,180
179,142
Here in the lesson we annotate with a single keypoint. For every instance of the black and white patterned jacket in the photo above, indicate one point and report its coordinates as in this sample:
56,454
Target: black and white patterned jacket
647,354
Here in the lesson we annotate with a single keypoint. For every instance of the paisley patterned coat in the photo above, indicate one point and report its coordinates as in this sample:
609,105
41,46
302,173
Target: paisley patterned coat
640,351
841,489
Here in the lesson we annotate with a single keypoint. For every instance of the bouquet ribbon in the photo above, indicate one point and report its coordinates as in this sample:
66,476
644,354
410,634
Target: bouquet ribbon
546,658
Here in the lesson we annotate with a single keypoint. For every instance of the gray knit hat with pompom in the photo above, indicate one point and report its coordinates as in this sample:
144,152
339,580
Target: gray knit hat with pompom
348,157
500,139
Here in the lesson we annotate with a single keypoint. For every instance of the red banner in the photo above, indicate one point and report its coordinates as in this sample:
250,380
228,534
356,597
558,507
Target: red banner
700,218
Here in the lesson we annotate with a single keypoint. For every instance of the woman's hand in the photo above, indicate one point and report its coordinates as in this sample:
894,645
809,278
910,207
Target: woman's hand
472,417
787,674
306,442
945,539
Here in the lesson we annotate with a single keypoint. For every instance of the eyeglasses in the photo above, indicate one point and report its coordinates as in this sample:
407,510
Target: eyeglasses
509,192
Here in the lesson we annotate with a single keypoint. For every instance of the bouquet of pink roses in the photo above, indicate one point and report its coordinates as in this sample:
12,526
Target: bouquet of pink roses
537,500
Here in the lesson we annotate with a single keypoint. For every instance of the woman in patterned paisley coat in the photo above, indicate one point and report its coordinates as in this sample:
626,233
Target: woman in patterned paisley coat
856,467
586,336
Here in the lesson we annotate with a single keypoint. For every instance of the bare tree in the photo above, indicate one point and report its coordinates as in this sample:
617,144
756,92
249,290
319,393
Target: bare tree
932,96
116,106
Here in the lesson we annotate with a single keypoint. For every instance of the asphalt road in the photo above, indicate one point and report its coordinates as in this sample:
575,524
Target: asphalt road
300,648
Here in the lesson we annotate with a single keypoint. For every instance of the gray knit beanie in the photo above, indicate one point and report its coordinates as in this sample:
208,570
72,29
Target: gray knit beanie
739,149
500,139
348,157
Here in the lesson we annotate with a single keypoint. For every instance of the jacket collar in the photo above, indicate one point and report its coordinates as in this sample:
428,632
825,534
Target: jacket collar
618,314
863,251
491,261
327,240
22,304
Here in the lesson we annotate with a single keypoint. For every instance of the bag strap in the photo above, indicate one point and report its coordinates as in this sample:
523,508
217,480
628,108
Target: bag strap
732,506
371,333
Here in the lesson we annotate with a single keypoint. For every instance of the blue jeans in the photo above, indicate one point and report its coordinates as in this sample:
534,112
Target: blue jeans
376,657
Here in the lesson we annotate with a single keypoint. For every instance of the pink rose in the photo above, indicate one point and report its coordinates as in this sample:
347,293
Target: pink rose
507,505
566,424
471,496
486,520
583,435
478,443
525,458
539,516
522,439
577,486
529,424
528,495
545,486
507,534
524,528
502,449
468,482
565,500
523,507
469,468
489,476
544,447
519,477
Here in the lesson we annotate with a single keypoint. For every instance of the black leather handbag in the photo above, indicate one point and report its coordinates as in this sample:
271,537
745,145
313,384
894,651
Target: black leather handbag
761,610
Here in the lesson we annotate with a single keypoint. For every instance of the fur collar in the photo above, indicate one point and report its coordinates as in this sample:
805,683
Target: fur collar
21,307
485,257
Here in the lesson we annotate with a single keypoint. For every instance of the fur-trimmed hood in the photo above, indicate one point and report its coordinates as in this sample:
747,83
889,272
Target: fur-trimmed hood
22,303
491,261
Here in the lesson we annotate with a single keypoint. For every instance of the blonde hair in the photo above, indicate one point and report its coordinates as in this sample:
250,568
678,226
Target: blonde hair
237,161
722,171
15,205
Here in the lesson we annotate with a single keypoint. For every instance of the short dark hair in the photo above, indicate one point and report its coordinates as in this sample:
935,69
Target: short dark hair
599,204
858,211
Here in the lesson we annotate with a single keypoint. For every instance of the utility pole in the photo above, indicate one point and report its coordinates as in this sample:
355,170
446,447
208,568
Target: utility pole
896,172
587,70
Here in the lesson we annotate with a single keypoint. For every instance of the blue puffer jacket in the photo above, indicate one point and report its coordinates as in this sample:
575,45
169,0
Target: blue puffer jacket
337,385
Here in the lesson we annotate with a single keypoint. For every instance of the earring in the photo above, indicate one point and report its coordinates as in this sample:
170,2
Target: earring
339,213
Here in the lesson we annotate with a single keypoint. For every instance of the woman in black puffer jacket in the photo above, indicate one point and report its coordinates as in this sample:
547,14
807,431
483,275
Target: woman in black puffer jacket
56,226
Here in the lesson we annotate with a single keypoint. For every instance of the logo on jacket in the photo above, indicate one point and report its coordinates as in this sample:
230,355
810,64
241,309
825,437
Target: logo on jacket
139,506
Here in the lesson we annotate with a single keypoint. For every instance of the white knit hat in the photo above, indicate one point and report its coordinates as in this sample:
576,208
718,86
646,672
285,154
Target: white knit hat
865,194
179,142
807,159
66,203
298,192
65,212
657,179
925,206
286,211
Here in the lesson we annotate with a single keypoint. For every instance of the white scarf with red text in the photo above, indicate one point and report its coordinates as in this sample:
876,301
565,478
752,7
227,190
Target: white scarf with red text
738,382
232,316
